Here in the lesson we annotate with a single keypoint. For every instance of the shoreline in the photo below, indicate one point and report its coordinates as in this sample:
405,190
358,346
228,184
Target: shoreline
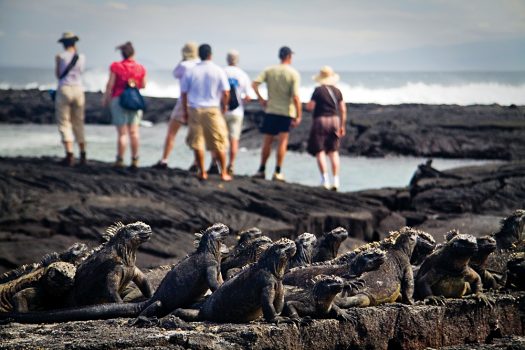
491,132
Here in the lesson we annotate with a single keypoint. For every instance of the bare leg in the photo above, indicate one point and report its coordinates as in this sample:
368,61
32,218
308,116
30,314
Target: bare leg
122,140
68,146
334,159
321,161
234,148
282,147
173,128
266,148
134,136
221,156
199,159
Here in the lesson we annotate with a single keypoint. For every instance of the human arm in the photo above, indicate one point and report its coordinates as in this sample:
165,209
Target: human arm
142,84
57,66
255,86
310,106
184,99
342,115
225,101
298,108
109,88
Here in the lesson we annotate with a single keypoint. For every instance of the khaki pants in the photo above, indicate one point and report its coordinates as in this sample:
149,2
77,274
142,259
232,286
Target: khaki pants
206,126
69,110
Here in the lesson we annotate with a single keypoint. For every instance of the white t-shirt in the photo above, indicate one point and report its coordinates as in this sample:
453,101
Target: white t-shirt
204,85
178,73
238,78
74,77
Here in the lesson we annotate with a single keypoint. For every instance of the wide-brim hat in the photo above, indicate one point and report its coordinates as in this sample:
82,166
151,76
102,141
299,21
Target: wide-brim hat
326,76
69,36
189,50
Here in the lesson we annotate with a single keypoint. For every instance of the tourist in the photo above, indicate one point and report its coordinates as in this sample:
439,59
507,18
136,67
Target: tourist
239,85
69,98
328,125
189,60
283,109
205,94
127,72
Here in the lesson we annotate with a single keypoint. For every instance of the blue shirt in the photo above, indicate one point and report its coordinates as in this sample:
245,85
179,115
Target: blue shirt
204,85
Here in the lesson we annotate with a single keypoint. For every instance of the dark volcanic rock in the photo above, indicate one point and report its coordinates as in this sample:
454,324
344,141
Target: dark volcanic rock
449,131
393,326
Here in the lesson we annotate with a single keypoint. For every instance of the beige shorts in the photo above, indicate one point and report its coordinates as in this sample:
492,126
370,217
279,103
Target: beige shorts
178,112
234,123
69,110
206,127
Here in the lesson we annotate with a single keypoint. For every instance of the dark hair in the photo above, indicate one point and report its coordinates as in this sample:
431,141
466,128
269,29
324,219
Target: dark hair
284,52
126,50
204,51
68,42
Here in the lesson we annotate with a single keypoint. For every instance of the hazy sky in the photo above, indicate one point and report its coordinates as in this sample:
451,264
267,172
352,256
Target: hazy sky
347,34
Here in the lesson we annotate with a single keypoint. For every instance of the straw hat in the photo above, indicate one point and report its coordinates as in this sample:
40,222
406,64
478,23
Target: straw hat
68,36
326,76
189,50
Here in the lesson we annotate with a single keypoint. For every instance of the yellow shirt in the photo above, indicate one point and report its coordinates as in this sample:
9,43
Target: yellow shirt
282,82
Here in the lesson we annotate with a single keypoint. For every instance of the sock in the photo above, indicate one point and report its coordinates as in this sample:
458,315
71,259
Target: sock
324,179
163,161
277,169
336,181
262,168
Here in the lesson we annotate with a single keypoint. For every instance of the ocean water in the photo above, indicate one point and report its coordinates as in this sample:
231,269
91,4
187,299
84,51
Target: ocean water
357,173
462,88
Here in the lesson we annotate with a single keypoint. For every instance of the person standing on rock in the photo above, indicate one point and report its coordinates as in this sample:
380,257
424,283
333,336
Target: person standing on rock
189,60
283,109
69,98
125,73
328,126
239,85
205,94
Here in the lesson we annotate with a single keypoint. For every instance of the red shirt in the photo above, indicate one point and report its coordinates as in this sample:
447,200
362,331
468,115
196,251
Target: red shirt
125,70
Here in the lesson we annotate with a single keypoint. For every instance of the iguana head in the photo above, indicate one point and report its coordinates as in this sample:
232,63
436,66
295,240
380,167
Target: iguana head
512,229
246,253
406,240
212,239
326,288
425,245
75,254
338,234
133,234
367,260
248,235
59,278
276,257
462,245
486,244
306,241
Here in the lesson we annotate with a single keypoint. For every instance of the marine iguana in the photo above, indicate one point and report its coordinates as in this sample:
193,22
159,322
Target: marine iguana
362,261
516,271
245,253
75,254
257,290
305,244
393,279
37,289
328,244
248,235
184,284
315,301
446,273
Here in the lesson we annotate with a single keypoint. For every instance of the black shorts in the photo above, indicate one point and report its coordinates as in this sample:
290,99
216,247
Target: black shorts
274,124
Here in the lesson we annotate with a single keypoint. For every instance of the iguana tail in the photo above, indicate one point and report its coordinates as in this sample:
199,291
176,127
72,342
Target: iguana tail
94,312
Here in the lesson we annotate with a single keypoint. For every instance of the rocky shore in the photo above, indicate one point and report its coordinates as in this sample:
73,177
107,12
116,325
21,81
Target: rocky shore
448,131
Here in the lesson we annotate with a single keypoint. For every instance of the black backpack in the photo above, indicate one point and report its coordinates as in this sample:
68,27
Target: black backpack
234,100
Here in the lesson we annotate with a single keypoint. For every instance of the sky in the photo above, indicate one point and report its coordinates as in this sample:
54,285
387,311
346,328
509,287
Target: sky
356,35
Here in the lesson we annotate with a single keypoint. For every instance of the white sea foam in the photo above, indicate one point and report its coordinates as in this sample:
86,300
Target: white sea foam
463,91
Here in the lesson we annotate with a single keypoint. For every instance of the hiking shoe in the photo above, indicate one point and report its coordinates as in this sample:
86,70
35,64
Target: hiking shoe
119,163
259,175
69,160
160,165
278,177
134,163
213,169
83,158
334,188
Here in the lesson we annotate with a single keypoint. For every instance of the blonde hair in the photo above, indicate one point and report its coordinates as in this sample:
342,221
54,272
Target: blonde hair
189,50
232,57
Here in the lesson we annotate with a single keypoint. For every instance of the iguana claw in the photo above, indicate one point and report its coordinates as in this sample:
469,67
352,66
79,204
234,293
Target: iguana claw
437,300
143,321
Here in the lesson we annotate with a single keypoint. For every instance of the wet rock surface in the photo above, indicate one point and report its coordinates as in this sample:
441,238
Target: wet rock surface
449,131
